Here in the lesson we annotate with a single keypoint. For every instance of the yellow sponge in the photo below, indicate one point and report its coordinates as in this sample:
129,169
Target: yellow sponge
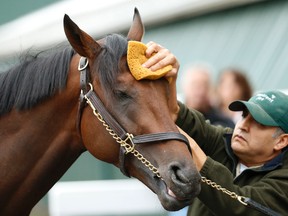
136,57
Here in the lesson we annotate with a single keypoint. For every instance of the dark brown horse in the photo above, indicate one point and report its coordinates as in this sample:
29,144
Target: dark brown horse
44,128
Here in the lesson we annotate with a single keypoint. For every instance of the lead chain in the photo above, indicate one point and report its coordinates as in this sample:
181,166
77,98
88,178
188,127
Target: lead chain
123,143
233,195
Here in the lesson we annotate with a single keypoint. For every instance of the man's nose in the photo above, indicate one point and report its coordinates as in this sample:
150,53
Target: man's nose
245,122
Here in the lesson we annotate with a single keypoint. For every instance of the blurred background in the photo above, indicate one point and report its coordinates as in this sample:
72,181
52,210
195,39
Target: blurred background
247,34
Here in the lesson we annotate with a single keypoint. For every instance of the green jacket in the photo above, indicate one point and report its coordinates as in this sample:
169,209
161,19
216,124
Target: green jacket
267,185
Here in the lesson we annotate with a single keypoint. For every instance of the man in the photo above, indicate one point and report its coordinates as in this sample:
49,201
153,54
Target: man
252,161
197,88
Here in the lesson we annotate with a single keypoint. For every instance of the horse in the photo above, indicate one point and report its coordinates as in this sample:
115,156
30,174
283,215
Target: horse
82,97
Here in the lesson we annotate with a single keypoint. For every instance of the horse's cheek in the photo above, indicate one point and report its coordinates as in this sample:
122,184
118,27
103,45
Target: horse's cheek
97,140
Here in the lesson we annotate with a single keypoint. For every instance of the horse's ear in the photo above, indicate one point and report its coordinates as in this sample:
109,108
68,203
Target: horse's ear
136,31
83,43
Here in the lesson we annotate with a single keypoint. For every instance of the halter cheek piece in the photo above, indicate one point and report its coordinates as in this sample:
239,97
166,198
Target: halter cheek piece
127,141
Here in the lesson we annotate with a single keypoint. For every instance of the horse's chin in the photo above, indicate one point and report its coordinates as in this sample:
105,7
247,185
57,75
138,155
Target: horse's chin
168,199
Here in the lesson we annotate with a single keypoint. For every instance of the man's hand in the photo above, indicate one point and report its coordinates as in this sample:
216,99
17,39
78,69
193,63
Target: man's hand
160,57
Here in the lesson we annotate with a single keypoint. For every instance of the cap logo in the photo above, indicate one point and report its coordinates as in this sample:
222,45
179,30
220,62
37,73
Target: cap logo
263,97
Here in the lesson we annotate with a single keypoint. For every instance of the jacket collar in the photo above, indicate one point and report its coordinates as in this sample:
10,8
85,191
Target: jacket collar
275,162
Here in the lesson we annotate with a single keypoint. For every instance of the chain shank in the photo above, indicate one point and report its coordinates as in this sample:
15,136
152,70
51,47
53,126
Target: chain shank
233,195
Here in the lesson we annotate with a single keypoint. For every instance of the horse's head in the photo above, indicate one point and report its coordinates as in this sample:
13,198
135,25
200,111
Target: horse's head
161,161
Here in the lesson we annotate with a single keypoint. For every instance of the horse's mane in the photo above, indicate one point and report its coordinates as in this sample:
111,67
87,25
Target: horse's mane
34,79
40,76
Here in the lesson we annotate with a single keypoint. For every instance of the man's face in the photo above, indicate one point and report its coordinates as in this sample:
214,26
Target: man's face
252,142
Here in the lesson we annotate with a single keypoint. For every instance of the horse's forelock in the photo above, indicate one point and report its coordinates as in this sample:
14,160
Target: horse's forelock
107,65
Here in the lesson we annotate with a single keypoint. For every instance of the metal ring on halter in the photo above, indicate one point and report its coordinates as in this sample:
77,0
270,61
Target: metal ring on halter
82,66
91,86
132,146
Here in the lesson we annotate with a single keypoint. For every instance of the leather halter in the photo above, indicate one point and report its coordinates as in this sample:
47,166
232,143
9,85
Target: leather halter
87,93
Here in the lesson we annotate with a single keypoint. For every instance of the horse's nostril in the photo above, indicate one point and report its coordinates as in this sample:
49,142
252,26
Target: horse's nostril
181,176
183,181
178,175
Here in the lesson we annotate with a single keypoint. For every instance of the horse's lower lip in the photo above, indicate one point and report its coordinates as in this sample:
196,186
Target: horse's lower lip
168,199
170,193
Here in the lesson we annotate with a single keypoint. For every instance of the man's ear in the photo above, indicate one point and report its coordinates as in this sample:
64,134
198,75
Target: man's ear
282,142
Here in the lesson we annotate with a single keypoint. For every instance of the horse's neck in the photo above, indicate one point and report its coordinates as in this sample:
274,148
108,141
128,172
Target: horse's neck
37,147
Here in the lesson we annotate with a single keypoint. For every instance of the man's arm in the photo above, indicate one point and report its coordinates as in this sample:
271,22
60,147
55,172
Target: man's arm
199,157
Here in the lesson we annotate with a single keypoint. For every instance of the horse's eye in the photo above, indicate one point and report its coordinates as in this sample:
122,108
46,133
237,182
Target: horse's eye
122,95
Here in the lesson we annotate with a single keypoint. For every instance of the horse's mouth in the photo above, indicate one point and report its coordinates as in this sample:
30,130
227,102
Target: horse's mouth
170,193
169,199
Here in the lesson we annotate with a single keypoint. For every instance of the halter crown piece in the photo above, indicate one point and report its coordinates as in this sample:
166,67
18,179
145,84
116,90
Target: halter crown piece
126,140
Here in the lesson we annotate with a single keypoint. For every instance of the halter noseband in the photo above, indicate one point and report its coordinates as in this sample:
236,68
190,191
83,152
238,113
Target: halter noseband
126,140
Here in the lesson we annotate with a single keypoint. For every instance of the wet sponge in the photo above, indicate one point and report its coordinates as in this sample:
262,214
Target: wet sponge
136,57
